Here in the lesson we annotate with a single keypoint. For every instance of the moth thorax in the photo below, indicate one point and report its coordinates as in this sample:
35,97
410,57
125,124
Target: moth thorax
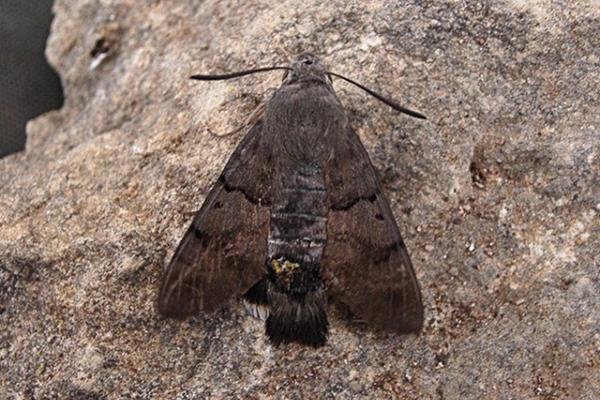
313,119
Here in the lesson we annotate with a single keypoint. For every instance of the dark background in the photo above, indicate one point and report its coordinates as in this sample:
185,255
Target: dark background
28,86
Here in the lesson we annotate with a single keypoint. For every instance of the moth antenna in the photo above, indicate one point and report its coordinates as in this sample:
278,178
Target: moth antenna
379,97
234,74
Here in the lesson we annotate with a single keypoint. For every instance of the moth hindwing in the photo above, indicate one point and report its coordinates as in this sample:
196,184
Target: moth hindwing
296,215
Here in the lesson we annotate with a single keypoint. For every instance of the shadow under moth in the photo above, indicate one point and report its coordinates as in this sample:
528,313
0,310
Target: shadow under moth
297,215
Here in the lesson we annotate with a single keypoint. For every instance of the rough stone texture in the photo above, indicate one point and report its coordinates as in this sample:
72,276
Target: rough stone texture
496,195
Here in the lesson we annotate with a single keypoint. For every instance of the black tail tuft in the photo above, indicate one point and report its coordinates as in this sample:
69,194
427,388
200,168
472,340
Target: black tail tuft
301,319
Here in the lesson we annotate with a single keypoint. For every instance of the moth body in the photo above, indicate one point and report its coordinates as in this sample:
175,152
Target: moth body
296,216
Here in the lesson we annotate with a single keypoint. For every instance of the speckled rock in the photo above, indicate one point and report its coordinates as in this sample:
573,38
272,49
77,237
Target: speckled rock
496,195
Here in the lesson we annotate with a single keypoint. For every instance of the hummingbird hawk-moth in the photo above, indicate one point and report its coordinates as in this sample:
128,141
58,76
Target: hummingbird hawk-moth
297,215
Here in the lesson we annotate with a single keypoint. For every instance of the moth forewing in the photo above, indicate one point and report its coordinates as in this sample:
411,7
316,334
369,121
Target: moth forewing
222,253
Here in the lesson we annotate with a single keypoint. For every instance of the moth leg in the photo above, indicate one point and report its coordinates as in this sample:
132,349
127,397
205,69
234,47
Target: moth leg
252,119
224,135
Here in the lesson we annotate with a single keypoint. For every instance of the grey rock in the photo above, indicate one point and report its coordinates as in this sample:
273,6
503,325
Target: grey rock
507,163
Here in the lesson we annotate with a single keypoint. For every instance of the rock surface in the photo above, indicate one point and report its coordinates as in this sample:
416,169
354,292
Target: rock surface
496,195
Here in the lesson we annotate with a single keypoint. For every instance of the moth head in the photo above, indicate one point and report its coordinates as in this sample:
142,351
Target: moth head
306,67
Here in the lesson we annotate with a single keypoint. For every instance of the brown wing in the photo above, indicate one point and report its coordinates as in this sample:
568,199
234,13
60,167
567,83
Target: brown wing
365,263
223,252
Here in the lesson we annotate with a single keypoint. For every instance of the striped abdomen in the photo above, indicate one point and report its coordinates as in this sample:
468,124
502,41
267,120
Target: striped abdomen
295,292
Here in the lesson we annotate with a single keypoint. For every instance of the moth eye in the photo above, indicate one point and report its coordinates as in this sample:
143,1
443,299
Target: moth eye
307,61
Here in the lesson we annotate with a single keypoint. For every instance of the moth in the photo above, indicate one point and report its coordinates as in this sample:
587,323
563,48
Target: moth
296,216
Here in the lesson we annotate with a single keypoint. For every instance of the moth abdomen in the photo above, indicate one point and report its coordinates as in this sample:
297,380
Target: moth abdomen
297,237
